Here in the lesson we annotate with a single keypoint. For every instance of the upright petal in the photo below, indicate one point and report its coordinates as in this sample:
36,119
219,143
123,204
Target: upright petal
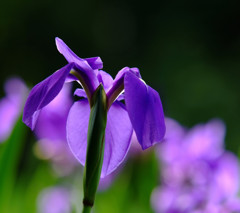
105,79
88,63
117,136
145,111
118,83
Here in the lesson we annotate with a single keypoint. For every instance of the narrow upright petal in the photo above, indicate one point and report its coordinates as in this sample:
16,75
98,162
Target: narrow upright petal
145,111
118,83
105,79
117,137
88,63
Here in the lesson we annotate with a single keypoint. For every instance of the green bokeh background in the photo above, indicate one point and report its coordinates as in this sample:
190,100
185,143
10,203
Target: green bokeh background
189,51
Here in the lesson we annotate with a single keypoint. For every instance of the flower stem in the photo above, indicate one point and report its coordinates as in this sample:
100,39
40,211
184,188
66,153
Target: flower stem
86,209
95,147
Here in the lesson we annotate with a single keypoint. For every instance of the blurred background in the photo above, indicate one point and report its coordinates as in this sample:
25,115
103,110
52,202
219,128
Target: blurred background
188,51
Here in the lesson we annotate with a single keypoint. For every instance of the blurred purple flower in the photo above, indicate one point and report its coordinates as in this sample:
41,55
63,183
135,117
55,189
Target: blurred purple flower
197,174
11,105
54,200
143,111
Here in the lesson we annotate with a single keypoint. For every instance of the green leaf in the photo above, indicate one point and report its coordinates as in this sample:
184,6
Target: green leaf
10,153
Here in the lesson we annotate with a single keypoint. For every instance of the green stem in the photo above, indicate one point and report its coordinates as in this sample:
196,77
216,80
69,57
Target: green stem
86,209
95,147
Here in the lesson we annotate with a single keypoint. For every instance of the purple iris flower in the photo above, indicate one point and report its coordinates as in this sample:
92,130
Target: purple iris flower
197,174
143,112
11,105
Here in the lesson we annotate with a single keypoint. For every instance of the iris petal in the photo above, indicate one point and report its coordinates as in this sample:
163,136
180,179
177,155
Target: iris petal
145,111
117,137
88,63
105,79
118,83
44,92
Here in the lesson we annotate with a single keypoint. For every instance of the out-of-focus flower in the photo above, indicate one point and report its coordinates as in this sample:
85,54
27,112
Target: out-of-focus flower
143,111
11,105
54,200
197,174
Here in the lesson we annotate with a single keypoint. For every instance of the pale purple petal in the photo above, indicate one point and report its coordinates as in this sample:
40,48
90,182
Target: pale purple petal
117,138
88,63
145,111
80,93
52,118
77,128
116,143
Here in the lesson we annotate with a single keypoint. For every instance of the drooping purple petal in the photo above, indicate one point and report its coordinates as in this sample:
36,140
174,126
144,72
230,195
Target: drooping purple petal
145,111
88,63
117,136
44,92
